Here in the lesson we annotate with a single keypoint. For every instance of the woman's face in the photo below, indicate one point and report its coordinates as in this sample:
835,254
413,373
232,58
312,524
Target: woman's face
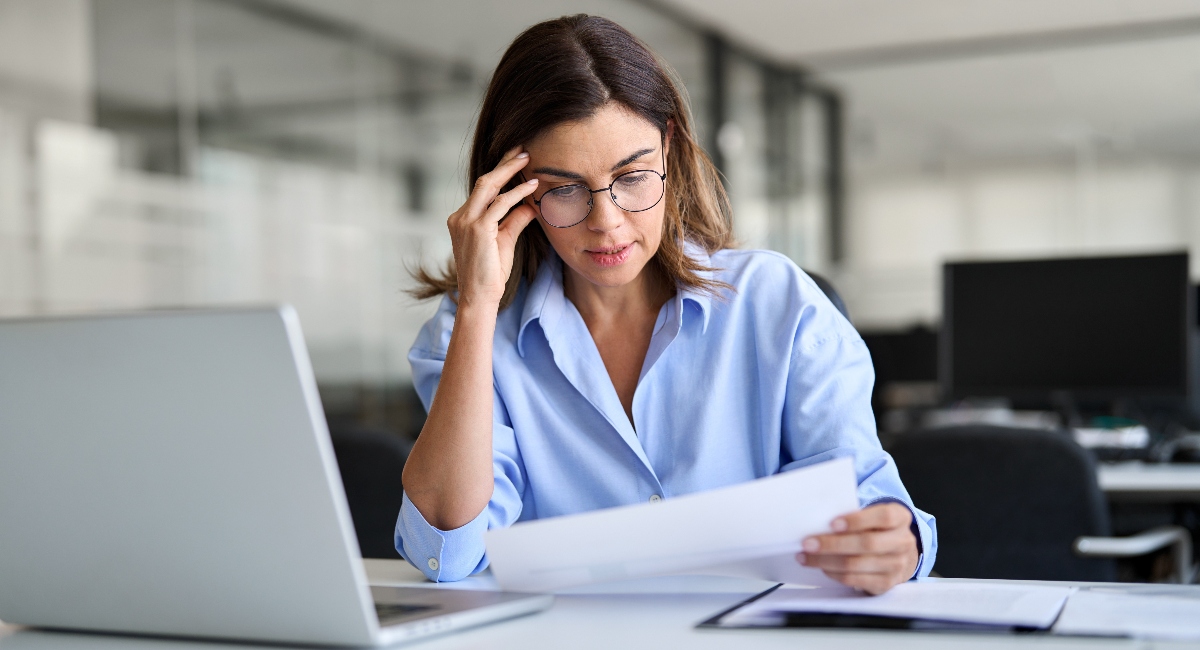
611,246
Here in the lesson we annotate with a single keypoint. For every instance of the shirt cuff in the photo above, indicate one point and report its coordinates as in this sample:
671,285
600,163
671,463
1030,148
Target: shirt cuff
442,555
921,532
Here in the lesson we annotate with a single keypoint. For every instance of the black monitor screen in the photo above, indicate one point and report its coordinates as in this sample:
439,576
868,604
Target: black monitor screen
1110,326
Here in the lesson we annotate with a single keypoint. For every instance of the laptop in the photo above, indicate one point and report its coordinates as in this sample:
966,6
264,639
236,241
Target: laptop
171,473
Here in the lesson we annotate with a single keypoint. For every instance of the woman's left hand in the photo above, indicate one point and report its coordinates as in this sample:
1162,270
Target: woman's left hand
873,549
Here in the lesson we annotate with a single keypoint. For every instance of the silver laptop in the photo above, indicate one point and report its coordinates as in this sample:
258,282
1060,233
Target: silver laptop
171,473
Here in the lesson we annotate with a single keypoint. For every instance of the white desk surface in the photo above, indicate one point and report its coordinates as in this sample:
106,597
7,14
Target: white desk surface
1150,479
660,614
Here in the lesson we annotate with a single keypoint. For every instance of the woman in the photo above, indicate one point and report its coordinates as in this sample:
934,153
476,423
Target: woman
622,351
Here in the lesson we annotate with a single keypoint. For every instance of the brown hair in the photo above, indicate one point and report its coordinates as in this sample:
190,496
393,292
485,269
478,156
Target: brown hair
564,70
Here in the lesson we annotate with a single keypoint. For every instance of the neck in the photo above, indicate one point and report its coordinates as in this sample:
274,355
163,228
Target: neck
599,305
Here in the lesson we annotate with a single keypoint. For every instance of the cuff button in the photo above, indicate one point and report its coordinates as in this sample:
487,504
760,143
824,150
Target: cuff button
433,564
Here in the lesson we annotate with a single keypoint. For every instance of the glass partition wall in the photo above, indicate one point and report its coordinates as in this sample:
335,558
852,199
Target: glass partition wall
215,152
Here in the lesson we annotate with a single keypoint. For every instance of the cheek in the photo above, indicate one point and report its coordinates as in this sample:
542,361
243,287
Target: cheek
650,228
561,239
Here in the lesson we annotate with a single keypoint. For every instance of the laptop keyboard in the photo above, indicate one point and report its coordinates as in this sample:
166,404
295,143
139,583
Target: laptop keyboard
390,613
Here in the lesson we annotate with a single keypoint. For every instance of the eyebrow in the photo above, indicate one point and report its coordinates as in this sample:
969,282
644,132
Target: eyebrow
630,158
562,173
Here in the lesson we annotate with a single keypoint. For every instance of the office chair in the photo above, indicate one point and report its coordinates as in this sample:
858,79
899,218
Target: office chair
827,288
1020,504
371,463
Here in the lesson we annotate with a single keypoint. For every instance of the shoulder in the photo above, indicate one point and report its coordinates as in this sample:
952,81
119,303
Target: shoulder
763,275
769,285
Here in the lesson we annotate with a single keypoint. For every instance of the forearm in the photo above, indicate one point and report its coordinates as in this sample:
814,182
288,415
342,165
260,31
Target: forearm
448,476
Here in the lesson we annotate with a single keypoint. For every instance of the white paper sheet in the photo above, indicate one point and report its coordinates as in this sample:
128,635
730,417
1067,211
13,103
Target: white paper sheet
749,530
1097,613
953,602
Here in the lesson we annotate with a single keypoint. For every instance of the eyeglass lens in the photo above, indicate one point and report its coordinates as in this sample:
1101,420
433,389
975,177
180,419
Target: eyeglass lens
633,192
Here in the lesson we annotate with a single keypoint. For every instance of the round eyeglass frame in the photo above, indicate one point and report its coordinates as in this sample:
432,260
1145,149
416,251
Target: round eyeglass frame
611,194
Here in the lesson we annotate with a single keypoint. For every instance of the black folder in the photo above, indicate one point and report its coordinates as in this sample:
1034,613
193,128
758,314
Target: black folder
855,621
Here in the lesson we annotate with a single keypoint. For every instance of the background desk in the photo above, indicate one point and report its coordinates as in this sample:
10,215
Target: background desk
657,614
1136,481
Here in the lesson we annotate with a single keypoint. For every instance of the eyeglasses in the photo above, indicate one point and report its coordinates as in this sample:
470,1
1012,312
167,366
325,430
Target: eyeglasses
569,205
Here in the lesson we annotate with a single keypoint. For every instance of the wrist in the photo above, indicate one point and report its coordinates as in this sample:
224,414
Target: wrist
477,310
477,302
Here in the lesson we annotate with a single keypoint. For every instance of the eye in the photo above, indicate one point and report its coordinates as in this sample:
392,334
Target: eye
633,179
565,193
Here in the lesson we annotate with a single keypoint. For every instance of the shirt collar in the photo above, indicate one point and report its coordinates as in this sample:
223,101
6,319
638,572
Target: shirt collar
544,299
700,298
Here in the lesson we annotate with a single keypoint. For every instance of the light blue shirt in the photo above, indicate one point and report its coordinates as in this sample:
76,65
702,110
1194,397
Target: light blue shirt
764,379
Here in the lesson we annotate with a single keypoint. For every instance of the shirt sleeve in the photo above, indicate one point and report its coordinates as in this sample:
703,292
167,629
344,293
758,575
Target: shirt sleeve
449,555
827,415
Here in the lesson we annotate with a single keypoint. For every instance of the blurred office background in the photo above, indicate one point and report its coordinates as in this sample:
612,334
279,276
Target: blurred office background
162,153
197,152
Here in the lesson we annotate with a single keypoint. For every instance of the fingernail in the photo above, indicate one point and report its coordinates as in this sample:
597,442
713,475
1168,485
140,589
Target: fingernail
811,544
522,155
532,181
802,558
838,525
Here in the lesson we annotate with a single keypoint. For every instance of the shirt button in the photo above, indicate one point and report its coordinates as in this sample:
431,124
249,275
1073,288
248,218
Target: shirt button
654,498
433,564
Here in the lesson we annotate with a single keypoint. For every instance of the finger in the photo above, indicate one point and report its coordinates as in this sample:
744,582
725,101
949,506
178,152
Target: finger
872,583
488,186
505,202
881,516
891,563
895,540
508,155
515,222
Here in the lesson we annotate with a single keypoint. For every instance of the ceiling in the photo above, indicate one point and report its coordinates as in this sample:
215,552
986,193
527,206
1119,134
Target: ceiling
478,31
926,81
817,33
833,33
931,83
1134,100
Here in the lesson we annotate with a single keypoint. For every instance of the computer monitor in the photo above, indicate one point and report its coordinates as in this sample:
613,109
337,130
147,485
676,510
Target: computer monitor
901,357
1096,328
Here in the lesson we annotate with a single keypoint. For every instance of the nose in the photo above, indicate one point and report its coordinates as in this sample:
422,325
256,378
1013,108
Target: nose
606,216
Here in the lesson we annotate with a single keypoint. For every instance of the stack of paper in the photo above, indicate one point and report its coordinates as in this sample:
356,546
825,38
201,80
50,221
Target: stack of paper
1095,612
993,604
749,530
1089,611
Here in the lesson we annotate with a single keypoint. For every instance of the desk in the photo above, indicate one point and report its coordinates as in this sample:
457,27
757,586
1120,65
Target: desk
1137,481
658,614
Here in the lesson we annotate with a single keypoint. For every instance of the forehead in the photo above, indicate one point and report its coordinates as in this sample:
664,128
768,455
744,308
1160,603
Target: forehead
607,136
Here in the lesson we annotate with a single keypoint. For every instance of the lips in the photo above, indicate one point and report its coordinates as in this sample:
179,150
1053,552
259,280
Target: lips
612,250
610,255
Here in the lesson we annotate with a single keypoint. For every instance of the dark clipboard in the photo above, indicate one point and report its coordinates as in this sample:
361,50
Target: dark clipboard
858,622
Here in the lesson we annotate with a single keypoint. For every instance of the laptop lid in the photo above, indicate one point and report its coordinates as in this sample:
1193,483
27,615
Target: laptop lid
171,473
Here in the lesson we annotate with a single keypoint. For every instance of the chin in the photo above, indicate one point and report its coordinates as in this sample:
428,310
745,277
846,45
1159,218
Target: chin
611,277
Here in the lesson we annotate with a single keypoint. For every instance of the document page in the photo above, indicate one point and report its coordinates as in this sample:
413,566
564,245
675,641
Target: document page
1093,612
748,530
950,602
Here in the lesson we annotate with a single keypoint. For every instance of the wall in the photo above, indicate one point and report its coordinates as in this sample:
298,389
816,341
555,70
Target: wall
902,227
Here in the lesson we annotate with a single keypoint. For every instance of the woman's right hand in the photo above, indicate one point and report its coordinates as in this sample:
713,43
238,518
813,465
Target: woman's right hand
484,238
